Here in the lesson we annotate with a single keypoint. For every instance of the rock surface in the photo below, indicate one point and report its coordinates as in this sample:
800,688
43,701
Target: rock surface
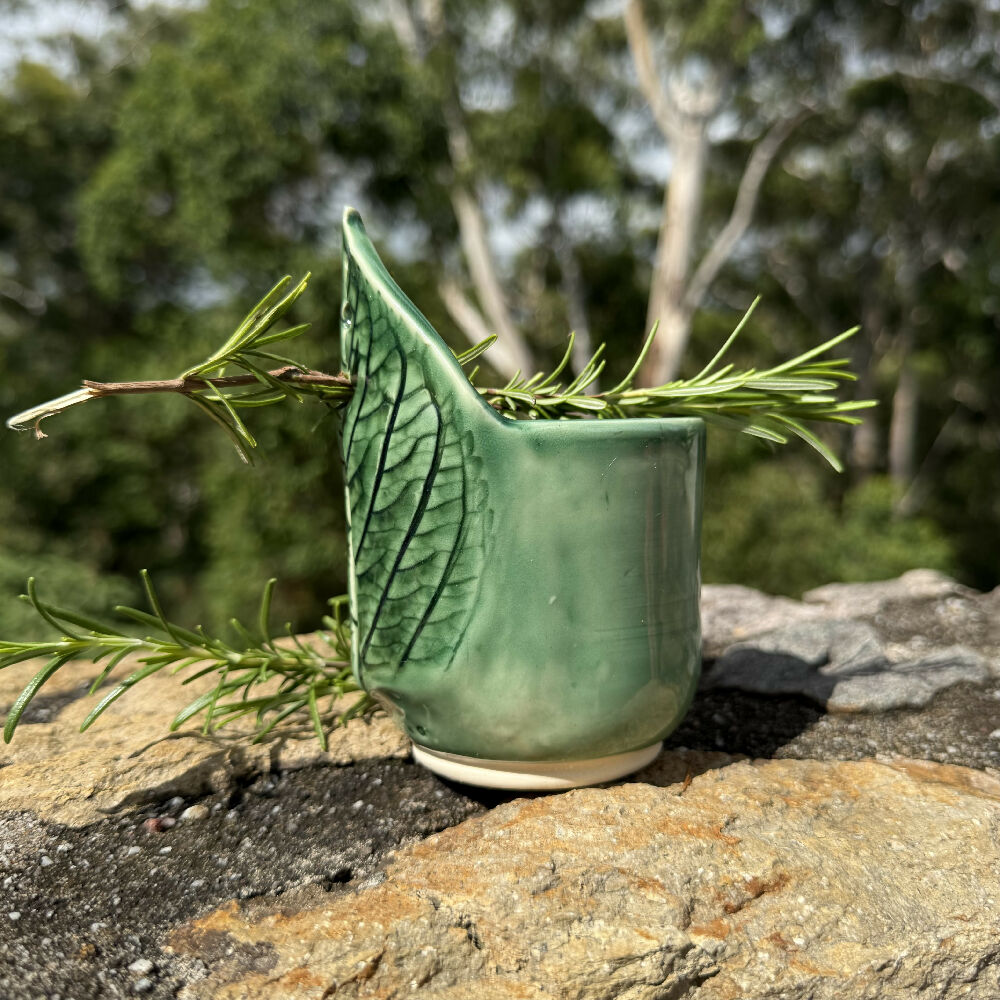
858,600
731,613
136,868
830,647
91,902
122,761
842,666
767,879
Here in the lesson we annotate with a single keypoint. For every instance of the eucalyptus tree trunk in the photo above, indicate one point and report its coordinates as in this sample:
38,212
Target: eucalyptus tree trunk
865,446
903,422
419,26
572,287
668,304
515,353
682,112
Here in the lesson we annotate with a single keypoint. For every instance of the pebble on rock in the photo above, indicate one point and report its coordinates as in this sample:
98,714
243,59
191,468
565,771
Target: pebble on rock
159,823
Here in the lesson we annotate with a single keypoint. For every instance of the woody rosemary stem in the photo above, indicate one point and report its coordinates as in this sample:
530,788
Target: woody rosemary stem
188,385
194,384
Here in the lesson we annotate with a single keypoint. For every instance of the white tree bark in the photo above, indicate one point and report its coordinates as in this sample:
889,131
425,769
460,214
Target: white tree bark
682,114
668,300
903,422
571,283
482,270
414,31
473,325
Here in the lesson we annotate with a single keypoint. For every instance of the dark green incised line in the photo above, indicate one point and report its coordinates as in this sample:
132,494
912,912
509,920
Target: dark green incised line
410,532
357,405
445,576
383,453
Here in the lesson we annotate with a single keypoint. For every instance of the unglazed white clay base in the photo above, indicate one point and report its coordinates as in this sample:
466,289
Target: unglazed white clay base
536,776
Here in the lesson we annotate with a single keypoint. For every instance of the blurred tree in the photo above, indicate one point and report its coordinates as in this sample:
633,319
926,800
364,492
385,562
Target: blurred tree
888,208
768,520
713,52
159,180
233,146
48,317
118,489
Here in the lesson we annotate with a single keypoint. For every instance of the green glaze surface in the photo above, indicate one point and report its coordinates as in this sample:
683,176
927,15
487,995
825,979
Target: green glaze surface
520,590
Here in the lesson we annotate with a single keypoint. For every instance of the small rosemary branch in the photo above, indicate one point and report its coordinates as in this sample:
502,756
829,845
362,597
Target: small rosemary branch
218,394
773,404
256,676
188,385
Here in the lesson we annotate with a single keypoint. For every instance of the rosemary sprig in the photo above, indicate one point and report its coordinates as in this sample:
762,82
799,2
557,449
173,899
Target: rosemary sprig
212,386
773,404
257,676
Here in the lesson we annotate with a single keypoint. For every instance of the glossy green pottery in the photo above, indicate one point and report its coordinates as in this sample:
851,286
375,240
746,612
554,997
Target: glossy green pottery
521,590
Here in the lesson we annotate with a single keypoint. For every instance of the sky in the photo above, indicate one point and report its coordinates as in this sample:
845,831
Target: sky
23,32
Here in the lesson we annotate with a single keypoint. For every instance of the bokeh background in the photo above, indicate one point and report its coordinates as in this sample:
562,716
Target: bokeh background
162,164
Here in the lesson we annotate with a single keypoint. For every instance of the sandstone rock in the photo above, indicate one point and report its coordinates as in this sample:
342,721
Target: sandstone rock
122,762
859,600
730,613
842,666
790,879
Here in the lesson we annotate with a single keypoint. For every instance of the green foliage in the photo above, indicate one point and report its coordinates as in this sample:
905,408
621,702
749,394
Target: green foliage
67,579
769,522
232,136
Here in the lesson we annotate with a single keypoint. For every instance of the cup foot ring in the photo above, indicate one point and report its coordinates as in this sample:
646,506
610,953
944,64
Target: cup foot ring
519,775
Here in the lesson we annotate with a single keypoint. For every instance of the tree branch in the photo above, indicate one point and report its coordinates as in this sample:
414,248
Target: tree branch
916,69
417,32
922,484
25,297
571,281
482,269
743,208
193,384
666,115
475,329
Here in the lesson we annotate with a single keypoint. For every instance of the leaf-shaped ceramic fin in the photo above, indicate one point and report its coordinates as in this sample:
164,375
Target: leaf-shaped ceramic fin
416,499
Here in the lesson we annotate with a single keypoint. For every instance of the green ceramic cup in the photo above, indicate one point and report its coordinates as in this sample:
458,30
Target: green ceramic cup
524,594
